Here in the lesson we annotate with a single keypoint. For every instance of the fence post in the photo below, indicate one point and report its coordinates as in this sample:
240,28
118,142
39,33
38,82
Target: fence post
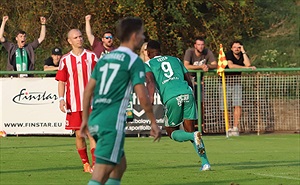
199,99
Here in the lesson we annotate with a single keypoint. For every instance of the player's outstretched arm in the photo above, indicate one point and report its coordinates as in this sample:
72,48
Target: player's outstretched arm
142,94
87,97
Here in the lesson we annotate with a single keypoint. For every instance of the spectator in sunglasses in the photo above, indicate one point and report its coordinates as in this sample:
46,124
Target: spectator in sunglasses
99,47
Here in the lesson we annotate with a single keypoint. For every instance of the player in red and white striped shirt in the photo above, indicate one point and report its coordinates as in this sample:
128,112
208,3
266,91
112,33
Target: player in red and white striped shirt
73,74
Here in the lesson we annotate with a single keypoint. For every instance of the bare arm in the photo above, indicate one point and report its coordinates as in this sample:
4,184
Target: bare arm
88,29
50,68
246,58
142,94
43,30
188,66
5,18
150,85
87,97
231,65
61,94
213,65
188,79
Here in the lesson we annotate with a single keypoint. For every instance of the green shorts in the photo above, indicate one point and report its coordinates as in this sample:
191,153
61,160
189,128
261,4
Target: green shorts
108,130
177,109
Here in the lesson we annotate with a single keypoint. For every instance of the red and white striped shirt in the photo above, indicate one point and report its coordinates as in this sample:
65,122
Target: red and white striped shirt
76,71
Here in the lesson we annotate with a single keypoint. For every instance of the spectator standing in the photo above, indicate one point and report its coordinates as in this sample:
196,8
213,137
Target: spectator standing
110,86
99,47
174,86
236,58
199,58
73,74
21,55
51,63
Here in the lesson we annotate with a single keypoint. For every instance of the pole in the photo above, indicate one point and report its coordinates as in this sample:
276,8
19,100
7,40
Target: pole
225,103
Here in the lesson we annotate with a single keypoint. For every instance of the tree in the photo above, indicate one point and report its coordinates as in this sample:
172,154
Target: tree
175,23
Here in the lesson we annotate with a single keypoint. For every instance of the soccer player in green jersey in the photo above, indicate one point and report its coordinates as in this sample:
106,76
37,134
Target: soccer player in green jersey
174,86
110,85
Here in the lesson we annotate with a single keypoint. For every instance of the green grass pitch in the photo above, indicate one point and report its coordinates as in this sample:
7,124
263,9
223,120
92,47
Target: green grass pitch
270,159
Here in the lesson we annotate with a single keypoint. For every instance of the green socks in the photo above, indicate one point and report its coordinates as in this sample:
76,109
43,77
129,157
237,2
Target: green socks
108,182
92,182
181,136
203,156
112,182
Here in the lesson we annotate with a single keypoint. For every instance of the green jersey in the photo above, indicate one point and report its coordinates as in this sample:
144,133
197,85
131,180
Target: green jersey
169,73
116,73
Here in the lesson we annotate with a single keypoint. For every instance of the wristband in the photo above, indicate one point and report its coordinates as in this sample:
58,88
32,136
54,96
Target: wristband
244,53
61,98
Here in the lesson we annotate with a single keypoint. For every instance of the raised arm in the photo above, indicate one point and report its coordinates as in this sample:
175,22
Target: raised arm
142,94
246,58
5,18
43,29
88,29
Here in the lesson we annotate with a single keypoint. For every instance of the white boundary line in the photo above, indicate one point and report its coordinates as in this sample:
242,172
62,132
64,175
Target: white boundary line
282,177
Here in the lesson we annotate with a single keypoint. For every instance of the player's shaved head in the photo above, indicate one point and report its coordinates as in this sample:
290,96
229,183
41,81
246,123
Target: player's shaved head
72,31
75,38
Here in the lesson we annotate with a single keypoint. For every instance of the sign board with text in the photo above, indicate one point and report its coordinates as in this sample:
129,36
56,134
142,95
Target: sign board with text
31,106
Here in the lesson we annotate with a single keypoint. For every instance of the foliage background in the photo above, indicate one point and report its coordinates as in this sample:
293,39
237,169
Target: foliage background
262,24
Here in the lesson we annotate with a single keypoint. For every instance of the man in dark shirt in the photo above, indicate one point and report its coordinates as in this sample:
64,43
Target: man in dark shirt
236,58
52,63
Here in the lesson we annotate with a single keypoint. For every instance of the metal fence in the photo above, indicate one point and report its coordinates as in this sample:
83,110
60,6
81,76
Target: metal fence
270,101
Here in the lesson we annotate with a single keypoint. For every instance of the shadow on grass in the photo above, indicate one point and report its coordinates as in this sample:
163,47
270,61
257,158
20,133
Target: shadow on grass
259,164
35,146
64,168
238,165
214,182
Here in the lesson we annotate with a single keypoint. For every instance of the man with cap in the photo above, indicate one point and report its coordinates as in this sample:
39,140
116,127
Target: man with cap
51,63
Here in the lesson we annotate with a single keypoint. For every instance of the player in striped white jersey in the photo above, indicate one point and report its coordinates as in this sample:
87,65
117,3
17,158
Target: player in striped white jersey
73,74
